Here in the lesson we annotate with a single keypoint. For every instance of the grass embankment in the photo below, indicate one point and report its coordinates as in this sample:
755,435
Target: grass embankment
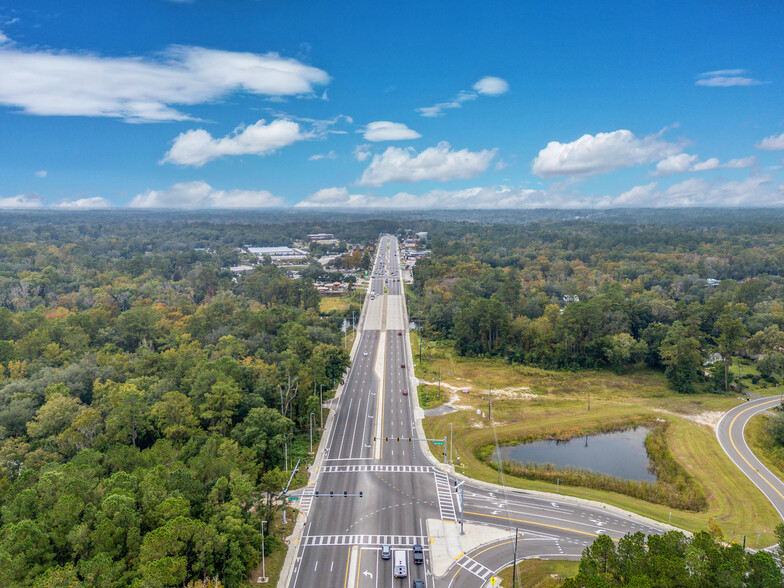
275,549
540,573
341,303
534,402
430,397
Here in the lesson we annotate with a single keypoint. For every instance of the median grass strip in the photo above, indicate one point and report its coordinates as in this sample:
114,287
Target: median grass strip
534,402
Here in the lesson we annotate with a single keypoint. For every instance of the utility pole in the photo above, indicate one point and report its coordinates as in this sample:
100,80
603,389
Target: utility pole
589,397
514,563
451,447
490,404
439,383
321,405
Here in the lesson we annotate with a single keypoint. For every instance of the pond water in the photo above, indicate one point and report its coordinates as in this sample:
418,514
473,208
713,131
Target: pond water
621,454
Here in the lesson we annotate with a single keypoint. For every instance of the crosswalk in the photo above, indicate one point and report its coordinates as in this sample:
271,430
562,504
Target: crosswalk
386,469
393,540
477,569
444,491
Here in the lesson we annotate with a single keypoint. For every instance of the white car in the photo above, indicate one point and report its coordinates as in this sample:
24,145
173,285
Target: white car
365,354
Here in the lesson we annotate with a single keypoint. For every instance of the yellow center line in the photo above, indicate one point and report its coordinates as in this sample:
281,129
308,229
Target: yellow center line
732,423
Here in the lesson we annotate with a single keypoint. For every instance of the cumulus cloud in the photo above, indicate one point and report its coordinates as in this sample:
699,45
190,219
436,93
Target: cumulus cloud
725,78
756,190
772,143
41,173
84,204
197,147
491,86
3,38
487,86
471,198
193,195
434,163
383,130
22,201
684,162
330,155
138,89
602,153
362,152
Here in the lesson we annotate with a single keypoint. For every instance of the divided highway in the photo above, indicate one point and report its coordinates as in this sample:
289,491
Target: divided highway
408,496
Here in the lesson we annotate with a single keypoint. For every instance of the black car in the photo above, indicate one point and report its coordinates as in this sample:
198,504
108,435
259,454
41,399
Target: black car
419,583
419,554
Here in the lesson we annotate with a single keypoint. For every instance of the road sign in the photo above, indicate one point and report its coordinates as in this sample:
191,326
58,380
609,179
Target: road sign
438,442
293,497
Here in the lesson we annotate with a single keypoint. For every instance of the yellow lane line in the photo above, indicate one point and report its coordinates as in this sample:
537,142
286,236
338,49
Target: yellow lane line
732,423
348,560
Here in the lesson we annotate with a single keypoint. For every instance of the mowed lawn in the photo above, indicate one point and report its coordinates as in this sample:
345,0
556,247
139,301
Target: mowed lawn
533,402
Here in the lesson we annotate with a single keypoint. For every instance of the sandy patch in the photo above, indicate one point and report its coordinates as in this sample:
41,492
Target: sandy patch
457,392
709,418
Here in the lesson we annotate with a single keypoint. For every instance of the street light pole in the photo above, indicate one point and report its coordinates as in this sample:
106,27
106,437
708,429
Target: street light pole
263,560
490,404
451,447
310,422
321,405
514,562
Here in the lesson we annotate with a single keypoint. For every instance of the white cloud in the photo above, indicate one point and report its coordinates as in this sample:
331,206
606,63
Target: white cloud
756,190
41,173
3,38
491,86
674,164
330,155
84,204
193,195
685,162
22,201
362,152
772,143
487,86
197,147
725,78
143,89
471,198
383,130
434,163
605,152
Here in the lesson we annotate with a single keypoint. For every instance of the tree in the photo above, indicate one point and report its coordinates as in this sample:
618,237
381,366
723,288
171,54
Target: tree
732,334
126,413
174,416
263,430
683,358
220,404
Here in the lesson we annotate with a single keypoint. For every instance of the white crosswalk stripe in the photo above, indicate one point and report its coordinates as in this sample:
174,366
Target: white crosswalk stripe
473,566
445,503
378,540
386,469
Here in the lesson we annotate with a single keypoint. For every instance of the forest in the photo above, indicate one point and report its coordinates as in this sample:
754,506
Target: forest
149,400
682,297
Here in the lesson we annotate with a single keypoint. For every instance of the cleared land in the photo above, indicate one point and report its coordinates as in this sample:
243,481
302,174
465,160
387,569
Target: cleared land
540,573
540,403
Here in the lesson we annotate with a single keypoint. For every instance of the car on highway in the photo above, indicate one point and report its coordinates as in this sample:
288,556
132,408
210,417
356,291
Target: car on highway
364,353
400,332
419,583
402,365
405,392
419,554
386,551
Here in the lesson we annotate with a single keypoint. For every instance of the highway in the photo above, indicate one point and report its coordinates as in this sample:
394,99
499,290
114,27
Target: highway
729,431
408,495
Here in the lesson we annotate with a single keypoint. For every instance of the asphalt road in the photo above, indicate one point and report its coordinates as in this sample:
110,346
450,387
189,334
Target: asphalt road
368,450
730,434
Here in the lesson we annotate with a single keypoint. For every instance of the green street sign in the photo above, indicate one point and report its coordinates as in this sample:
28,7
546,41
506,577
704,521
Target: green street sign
438,442
293,497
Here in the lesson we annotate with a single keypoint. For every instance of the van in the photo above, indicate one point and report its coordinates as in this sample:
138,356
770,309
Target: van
401,563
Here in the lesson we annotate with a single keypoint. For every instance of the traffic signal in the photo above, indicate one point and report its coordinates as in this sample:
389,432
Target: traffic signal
360,494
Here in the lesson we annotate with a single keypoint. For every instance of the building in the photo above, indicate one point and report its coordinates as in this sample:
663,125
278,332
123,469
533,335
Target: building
238,269
279,254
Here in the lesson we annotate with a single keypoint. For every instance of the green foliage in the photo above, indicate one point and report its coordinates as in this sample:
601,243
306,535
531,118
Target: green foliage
673,560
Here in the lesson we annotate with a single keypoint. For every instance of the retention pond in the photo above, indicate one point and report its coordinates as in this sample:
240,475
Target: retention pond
621,454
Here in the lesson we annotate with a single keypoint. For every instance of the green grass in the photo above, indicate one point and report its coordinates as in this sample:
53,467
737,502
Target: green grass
764,447
540,573
534,402
346,302
430,397
274,561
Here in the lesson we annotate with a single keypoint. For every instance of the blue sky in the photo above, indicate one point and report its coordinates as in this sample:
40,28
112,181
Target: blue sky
253,104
